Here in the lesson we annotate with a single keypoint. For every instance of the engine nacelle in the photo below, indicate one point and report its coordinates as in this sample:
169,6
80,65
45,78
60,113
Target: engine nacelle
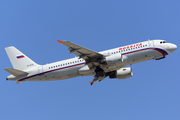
112,59
122,73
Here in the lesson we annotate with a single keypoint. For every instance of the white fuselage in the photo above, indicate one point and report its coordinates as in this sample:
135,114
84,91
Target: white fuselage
131,54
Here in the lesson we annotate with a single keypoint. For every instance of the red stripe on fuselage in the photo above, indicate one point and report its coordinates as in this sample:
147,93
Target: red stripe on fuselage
160,52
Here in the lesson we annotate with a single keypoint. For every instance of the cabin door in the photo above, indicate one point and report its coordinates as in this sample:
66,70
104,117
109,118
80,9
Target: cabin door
151,43
40,69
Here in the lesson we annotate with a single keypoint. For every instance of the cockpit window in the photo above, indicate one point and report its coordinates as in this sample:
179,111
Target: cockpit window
163,42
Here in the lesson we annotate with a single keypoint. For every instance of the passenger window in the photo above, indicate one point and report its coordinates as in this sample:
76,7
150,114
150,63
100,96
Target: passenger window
161,42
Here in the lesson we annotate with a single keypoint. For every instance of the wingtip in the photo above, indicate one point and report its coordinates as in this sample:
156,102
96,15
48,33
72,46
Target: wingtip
60,41
90,82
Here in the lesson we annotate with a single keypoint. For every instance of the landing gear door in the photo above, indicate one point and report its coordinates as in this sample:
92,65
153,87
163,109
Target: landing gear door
151,43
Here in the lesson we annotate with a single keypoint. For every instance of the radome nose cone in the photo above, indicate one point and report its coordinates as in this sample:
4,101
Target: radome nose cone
173,47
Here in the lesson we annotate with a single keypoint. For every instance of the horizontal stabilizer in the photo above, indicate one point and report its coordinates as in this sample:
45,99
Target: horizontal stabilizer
15,72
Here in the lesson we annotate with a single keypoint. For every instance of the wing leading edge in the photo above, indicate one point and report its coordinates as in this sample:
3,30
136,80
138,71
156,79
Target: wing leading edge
91,57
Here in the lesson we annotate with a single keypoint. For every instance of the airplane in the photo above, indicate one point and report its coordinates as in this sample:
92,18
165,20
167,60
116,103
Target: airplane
110,63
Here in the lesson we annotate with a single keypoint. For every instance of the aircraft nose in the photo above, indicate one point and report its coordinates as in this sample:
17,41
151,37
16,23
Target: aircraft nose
172,48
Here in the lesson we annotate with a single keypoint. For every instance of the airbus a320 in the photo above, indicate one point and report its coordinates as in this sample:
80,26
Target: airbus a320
110,63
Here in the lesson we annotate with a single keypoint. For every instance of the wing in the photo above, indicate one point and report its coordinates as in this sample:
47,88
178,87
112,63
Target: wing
91,57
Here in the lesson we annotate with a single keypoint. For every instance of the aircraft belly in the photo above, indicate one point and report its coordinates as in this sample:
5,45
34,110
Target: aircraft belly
109,68
142,56
63,74
56,75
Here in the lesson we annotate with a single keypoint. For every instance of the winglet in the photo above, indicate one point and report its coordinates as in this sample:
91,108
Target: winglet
90,82
60,41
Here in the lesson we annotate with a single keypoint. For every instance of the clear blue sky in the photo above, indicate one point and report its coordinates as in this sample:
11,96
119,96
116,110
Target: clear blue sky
34,26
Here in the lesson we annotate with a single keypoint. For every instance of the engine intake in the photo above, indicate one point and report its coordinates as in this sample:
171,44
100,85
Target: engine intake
122,73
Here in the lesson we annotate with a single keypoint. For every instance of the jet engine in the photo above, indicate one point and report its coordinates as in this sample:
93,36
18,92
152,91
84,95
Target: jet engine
112,59
122,73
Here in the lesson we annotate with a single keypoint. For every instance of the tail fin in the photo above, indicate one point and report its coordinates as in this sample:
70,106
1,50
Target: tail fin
19,60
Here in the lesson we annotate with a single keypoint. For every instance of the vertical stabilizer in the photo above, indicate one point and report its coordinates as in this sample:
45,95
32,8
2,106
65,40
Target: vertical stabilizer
19,60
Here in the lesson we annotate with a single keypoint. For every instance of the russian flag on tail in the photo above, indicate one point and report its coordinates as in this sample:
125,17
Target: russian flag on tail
21,56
